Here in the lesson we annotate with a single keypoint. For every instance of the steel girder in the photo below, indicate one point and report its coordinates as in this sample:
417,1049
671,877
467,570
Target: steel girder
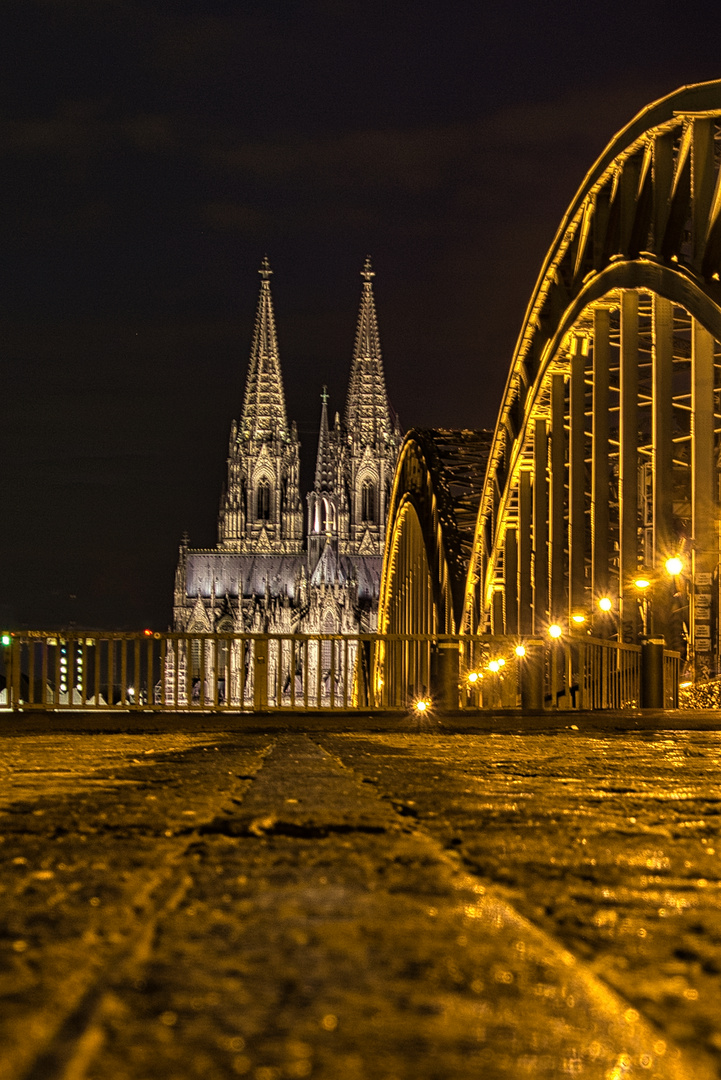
425,560
605,454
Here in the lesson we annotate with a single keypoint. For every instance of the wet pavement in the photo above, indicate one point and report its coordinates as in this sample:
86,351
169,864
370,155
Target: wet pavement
359,897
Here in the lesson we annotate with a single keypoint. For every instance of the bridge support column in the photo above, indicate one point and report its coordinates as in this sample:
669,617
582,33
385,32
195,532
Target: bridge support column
525,600
703,502
599,464
558,484
540,526
628,465
577,479
510,574
662,428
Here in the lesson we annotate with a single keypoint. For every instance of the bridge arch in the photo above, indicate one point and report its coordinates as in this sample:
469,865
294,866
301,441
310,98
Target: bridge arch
605,456
431,518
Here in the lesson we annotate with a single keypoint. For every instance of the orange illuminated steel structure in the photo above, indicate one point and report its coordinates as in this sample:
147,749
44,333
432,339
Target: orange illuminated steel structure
604,460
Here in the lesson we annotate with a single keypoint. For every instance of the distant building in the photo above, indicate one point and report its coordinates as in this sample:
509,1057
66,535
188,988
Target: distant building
261,576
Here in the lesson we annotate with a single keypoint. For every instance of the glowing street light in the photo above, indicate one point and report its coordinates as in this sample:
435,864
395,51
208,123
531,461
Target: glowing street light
520,650
643,585
605,603
555,631
674,565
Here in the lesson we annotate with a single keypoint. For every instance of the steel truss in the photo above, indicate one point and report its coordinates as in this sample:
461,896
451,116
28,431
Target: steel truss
605,457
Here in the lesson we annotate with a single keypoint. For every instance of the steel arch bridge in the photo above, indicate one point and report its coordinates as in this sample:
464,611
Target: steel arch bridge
605,460
432,516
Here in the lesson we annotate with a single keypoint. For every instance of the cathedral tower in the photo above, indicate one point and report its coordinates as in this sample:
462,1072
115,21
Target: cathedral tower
372,435
259,578
260,510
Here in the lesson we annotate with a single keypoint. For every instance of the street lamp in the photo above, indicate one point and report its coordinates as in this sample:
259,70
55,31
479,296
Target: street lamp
676,602
642,585
606,618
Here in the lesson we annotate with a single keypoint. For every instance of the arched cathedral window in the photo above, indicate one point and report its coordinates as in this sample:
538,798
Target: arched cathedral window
263,501
368,502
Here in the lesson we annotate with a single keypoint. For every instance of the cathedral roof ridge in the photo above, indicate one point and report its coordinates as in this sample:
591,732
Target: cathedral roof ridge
328,568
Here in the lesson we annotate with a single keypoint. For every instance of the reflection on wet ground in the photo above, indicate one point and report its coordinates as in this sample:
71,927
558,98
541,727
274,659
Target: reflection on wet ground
611,843
393,904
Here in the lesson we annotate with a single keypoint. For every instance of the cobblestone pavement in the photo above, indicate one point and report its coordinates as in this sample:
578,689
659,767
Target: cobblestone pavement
378,903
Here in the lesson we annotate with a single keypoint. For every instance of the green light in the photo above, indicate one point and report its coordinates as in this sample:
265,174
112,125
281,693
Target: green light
6,639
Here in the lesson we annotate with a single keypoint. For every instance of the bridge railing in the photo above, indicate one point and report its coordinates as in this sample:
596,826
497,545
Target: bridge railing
296,672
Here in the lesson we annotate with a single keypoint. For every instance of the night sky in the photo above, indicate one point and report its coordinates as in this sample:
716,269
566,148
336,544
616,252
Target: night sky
153,153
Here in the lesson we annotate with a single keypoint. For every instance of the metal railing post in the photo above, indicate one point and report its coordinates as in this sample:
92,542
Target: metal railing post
652,696
445,672
260,673
530,676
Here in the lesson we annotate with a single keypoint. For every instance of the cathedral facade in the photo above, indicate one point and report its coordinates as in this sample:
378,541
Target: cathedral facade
279,566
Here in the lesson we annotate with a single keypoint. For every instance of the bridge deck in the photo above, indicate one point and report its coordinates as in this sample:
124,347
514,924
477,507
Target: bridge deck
203,897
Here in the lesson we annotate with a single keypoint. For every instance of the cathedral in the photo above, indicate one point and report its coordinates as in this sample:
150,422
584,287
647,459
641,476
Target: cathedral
275,568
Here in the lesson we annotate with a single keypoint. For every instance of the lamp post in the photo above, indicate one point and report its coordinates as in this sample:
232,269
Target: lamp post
651,589
558,665
677,604
643,588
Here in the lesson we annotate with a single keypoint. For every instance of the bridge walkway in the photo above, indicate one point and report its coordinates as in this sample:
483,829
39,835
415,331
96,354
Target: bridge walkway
192,897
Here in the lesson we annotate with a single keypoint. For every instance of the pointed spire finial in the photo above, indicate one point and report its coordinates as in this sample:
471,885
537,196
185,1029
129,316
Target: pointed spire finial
324,465
366,413
264,414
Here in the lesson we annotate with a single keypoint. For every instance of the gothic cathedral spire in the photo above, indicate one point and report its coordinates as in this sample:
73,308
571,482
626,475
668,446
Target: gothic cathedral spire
367,414
264,404
324,464
326,502
260,509
372,438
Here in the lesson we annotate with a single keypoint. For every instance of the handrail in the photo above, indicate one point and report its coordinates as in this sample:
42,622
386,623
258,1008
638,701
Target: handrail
255,672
